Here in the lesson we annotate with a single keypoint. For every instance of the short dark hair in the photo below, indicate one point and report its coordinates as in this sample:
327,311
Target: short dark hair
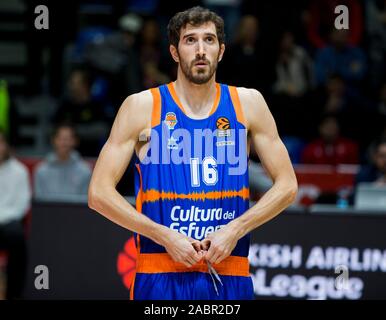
195,16
64,125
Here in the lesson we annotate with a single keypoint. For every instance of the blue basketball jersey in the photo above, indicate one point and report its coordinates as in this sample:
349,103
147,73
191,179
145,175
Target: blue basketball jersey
194,178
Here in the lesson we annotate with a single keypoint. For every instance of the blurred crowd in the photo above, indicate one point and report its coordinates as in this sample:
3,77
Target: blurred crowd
325,87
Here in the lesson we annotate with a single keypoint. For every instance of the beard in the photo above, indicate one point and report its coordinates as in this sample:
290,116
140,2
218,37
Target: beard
201,75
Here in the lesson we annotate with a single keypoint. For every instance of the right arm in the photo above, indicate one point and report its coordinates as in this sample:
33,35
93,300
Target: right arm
132,118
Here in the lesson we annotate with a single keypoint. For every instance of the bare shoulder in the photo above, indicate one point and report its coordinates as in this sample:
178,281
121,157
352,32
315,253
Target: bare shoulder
252,103
134,115
139,105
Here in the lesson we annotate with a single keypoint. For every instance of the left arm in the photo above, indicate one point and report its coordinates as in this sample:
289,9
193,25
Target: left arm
274,158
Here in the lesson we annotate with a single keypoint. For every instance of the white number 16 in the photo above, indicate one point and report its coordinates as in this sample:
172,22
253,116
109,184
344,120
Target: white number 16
209,172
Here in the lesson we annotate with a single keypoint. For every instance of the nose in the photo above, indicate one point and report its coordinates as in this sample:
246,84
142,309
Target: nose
200,50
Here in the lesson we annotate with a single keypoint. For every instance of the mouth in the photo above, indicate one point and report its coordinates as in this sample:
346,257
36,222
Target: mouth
201,64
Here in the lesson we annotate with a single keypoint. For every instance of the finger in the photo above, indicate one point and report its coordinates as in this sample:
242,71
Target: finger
193,257
197,256
210,253
191,260
221,258
213,254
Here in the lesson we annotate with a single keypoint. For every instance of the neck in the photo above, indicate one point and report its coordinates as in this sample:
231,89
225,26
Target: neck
4,159
198,99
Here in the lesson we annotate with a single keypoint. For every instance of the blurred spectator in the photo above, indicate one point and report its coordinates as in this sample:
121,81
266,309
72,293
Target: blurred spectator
322,17
243,62
294,81
229,10
375,170
351,107
63,174
376,36
330,148
341,58
116,57
78,105
151,57
88,115
15,196
337,97
293,68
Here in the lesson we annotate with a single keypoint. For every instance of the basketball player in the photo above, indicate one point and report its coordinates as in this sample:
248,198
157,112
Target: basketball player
192,218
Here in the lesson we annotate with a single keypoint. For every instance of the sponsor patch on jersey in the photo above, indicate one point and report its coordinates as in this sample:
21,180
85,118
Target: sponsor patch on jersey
225,143
223,127
170,120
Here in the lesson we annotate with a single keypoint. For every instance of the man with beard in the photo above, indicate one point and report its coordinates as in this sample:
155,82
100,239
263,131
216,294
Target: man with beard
192,218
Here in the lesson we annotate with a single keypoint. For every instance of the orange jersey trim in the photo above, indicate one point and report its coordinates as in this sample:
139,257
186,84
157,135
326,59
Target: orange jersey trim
155,195
156,113
237,105
162,263
138,206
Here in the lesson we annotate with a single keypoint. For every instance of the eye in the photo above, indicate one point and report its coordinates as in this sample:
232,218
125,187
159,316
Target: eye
209,39
190,40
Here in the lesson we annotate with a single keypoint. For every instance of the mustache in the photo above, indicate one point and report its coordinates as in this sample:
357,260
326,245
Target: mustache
200,60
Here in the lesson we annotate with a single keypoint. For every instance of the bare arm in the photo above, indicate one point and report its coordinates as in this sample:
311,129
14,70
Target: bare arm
275,159
133,117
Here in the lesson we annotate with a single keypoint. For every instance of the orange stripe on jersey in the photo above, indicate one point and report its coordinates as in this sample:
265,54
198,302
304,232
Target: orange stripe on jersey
156,113
217,99
175,97
162,262
237,105
138,206
155,195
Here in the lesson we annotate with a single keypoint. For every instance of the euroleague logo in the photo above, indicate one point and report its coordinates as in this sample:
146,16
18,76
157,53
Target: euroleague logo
222,123
223,127
126,262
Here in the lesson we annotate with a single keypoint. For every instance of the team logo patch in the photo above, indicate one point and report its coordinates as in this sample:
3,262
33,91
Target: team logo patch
170,120
223,125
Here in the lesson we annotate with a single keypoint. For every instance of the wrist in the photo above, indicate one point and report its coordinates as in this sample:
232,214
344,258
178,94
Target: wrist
237,228
160,234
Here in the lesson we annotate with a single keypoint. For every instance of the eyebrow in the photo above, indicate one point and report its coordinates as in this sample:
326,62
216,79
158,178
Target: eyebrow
193,33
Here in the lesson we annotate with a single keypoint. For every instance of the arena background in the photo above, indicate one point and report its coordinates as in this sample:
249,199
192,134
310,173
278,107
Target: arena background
325,87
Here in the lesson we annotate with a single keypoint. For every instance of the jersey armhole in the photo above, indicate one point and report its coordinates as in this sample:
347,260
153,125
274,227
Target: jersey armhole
237,105
156,112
